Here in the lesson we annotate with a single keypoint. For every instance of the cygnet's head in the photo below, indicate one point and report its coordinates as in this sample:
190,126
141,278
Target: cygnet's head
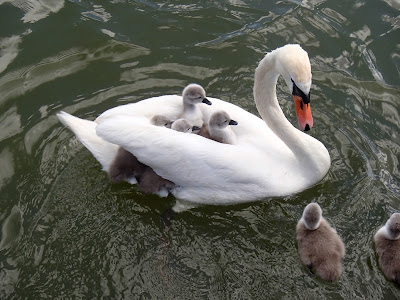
183,125
312,216
393,226
160,120
194,93
221,119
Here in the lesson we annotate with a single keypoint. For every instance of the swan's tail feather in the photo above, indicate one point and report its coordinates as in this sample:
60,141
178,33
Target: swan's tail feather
85,131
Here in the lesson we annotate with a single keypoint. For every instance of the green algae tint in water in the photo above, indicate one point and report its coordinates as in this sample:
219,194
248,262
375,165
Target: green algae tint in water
67,232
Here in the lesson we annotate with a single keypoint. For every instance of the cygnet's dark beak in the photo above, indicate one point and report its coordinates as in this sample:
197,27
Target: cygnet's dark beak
233,122
195,128
206,101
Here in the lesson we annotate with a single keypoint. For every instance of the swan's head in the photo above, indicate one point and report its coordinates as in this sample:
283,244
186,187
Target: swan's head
194,93
183,125
393,226
160,120
293,64
312,216
220,120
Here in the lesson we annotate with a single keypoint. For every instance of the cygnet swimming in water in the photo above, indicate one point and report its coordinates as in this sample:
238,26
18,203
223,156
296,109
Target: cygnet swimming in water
319,246
192,95
387,245
218,128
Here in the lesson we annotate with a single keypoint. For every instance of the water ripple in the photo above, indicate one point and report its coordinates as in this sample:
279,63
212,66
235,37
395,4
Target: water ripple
68,233
36,10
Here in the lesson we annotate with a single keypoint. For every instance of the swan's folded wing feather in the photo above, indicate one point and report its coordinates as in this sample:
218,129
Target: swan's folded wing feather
85,131
186,159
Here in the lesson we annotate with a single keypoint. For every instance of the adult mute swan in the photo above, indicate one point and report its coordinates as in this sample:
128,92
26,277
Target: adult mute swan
270,156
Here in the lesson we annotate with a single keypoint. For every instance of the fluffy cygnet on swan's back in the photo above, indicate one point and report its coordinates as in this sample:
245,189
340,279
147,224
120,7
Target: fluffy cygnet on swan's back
387,245
192,95
160,120
218,128
183,125
319,246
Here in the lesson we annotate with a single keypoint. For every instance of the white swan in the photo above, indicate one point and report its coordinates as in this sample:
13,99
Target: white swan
270,157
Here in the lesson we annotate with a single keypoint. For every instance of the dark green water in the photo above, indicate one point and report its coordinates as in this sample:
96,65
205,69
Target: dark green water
68,233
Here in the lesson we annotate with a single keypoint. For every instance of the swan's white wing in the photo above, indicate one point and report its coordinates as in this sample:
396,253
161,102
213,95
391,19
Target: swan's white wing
85,131
202,168
172,154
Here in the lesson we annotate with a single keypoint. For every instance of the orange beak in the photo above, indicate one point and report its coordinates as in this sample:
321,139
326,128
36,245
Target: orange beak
303,112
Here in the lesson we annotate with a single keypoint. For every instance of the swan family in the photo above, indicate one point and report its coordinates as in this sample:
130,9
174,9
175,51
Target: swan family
265,157
204,150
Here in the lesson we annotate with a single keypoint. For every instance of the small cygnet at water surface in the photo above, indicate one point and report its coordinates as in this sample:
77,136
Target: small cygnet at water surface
387,245
320,247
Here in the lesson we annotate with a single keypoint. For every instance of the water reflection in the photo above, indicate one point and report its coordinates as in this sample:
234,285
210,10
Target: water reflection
9,48
7,170
10,123
11,228
98,14
36,10
64,64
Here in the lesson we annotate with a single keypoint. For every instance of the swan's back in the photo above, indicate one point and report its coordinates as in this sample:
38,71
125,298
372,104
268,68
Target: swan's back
169,106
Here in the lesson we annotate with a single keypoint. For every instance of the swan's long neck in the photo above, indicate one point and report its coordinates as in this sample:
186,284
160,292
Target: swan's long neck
265,81
299,143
